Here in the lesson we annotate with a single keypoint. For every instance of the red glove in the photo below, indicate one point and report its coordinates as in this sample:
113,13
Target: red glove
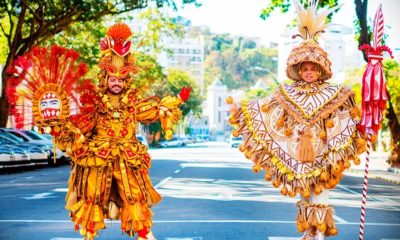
184,94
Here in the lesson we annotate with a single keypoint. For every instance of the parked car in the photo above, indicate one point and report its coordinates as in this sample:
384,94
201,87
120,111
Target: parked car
185,140
6,156
173,142
48,136
13,156
31,136
191,139
204,137
21,143
142,139
235,141
36,153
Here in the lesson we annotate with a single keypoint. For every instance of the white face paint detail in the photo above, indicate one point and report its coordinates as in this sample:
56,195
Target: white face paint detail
50,105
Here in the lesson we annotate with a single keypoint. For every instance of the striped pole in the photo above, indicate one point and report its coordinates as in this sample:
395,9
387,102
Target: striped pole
365,189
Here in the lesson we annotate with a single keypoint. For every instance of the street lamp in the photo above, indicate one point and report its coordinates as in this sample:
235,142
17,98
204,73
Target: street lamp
276,80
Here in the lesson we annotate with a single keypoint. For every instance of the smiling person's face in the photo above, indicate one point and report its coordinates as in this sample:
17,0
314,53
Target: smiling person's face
115,85
309,72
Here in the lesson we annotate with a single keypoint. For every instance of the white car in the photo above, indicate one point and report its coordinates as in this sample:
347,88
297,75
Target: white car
175,141
235,141
13,156
34,137
37,154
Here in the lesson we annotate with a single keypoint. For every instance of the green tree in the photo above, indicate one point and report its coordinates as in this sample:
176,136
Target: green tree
235,60
240,69
150,73
177,79
364,37
257,93
392,73
27,23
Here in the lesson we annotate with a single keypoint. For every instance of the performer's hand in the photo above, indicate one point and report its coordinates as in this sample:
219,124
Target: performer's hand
184,94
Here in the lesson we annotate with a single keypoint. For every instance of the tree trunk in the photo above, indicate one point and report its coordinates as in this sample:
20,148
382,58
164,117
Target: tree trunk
394,126
361,12
4,104
395,132
13,49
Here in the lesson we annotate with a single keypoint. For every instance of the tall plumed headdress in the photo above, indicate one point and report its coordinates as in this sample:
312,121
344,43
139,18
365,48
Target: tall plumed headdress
310,25
45,86
116,60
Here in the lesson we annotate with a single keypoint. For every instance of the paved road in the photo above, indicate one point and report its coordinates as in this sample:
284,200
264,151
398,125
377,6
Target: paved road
209,193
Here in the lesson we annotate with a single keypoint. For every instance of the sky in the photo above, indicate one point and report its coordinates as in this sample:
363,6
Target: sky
240,17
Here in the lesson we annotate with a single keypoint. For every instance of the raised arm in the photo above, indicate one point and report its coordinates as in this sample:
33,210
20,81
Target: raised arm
166,110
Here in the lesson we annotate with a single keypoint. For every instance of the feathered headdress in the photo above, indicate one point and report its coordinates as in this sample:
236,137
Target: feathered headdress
310,25
44,83
116,60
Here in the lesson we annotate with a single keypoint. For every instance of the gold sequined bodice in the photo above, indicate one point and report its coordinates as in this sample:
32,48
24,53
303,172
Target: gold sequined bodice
118,124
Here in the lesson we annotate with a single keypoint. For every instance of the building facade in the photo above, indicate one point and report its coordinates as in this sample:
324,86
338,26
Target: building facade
186,54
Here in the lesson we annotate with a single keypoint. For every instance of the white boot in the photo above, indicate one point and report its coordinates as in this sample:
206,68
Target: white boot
309,236
150,236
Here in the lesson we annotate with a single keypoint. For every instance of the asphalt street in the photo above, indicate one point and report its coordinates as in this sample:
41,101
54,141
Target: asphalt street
209,192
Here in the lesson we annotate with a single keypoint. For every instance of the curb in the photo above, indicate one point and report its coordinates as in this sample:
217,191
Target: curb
378,176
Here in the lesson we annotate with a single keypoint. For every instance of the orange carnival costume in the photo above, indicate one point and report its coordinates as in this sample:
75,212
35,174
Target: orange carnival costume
109,173
304,135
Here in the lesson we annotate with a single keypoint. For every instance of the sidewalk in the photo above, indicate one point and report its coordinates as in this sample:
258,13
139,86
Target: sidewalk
378,168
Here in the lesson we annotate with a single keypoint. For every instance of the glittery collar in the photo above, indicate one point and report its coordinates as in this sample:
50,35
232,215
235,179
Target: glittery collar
306,87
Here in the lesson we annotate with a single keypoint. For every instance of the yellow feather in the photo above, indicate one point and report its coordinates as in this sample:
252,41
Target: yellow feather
309,22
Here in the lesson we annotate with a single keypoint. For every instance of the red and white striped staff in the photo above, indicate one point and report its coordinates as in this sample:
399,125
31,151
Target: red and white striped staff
374,97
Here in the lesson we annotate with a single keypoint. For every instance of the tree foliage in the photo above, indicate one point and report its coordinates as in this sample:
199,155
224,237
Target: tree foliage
177,79
237,61
284,5
257,93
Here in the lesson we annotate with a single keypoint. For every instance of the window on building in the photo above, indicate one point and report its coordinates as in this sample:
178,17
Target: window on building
219,117
219,101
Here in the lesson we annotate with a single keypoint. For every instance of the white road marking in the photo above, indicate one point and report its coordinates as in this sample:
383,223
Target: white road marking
162,182
7,185
283,238
186,238
60,189
57,238
39,196
199,221
339,220
349,190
